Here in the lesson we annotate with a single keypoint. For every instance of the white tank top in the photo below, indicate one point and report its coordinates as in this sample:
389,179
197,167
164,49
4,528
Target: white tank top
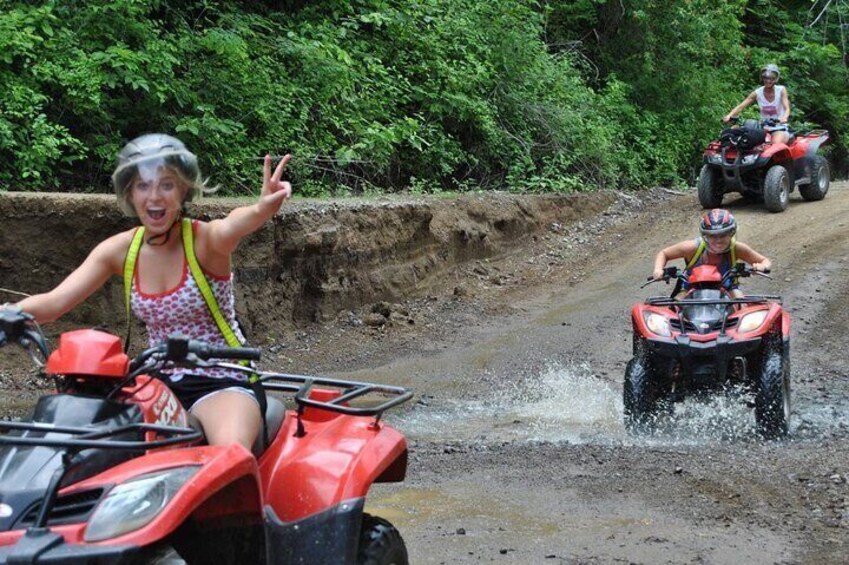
183,310
770,109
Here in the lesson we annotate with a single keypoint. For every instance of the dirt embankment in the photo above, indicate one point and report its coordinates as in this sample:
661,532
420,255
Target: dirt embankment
312,261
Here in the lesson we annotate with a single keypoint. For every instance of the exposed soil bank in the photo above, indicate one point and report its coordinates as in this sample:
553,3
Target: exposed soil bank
313,260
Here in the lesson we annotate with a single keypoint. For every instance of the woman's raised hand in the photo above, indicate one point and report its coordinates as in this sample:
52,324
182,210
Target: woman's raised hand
274,190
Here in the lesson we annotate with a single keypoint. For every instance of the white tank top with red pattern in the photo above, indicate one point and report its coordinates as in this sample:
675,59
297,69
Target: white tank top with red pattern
183,310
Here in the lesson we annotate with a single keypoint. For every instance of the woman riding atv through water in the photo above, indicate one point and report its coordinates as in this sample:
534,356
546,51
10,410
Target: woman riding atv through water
772,101
177,275
717,245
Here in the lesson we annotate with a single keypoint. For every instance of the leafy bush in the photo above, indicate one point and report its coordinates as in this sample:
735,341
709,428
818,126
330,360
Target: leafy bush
383,94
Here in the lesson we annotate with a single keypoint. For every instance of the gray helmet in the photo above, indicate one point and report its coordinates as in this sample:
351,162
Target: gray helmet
154,150
771,68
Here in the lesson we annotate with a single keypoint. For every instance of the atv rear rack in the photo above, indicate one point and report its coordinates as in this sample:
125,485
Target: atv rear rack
301,385
347,391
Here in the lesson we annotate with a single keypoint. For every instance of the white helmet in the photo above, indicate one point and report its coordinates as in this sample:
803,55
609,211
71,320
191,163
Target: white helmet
771,68
146,155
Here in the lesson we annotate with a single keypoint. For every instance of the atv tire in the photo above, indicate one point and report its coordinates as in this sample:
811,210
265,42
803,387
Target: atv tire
711,187
772,400
777,188
158,554
640,397
380,543
820,179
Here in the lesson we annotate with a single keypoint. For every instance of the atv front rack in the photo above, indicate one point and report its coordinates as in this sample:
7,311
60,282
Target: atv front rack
94,438
752,299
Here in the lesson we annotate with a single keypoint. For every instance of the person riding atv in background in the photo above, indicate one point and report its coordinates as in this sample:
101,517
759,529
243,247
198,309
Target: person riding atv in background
177,275
717,245
772,101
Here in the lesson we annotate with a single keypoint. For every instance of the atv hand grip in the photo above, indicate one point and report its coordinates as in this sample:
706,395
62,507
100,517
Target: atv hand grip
246,353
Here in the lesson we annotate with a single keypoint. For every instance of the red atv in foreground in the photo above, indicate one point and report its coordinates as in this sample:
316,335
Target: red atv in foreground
109,470
707,342
744,160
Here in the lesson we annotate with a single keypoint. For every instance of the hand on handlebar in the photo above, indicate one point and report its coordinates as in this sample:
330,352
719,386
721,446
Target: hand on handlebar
760,267
666,274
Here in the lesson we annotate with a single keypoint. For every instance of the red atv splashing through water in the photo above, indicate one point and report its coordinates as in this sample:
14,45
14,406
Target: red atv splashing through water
744,160
706,342
109,470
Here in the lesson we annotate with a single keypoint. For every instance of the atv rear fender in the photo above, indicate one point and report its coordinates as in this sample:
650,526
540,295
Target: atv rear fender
333,461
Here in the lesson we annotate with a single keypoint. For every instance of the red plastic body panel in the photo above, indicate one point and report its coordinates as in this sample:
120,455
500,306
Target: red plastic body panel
156,401
89,352
800,146
702,274
336,460
230,469
776,316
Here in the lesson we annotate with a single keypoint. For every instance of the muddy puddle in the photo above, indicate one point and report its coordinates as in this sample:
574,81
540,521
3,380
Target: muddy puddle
570,404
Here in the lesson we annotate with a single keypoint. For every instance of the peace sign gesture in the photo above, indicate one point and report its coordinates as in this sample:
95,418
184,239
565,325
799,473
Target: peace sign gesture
274,190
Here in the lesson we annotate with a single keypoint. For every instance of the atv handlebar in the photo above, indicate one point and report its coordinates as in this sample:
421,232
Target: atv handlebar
17,326
768,122
179,349
739,270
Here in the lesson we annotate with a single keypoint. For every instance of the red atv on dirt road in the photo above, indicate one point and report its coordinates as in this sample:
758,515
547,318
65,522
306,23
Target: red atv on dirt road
109,470
744,160
706,342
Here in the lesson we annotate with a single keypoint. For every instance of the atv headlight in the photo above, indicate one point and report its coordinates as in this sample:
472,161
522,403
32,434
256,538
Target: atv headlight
658,324
751,322
135,503
749,159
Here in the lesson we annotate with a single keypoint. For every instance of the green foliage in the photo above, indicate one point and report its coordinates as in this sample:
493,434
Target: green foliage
382,94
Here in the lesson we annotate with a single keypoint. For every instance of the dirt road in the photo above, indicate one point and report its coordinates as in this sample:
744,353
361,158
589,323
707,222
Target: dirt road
518,451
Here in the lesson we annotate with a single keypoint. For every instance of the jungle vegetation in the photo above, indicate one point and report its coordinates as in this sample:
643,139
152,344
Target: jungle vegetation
392,95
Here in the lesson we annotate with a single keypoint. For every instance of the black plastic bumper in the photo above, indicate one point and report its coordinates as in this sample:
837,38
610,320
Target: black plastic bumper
43,547
704,364
721,348
331,536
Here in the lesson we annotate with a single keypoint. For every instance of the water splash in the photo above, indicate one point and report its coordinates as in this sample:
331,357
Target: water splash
724,416
561,403
570,403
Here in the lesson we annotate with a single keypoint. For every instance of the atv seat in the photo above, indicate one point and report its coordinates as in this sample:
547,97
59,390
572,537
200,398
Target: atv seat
274,414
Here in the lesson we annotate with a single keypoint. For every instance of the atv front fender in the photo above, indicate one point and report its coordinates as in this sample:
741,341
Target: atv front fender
226,483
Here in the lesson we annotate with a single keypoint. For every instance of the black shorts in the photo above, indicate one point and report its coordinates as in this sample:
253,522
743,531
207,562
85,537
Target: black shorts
192,388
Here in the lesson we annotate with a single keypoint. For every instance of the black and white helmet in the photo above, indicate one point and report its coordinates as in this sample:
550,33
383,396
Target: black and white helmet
147,154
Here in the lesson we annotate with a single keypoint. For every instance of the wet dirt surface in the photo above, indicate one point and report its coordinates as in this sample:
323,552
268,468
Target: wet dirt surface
518,453
517,449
